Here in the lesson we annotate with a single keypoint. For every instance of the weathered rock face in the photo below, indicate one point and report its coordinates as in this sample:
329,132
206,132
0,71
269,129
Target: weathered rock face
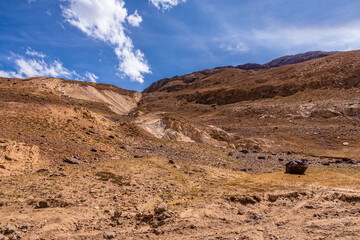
296,167
15,156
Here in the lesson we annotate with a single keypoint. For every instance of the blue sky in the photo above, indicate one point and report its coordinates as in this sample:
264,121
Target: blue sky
132,43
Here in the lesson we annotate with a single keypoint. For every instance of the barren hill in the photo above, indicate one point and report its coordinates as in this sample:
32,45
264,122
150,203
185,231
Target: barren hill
310,107
199,156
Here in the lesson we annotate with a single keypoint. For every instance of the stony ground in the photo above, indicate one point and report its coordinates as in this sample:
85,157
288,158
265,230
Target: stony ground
150,198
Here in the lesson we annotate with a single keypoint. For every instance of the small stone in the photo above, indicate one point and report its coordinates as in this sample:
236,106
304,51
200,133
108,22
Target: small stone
123,147
110,235
93,150
261,157
2,237
43,170
192,226
43,204
244,151
177,167
117,214
10,229
157,231
71,160
240,211
111,136
346,144
162,207
171,162
26,226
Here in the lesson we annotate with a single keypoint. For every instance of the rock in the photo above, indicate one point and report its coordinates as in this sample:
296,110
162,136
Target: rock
93,150
230,154
164,215
171,162
177,167
157,231
353,161
162,207
244,151
2,237
43,170
117,214
240,211
109,235
123,147
71,160
43,204
296,167
9,229
261,157
346,144
111,136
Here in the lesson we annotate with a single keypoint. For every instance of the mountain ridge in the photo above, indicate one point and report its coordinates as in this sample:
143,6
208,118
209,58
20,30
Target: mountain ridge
278,62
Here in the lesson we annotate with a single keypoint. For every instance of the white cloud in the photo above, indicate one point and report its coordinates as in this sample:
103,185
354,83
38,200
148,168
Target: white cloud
134,19
166,4
105,20
36,66
33,53
9,74
343,37
39,68
48,12
235,47
91,76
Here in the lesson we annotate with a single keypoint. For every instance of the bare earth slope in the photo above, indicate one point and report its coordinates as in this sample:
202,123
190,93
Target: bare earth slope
310,107
200,156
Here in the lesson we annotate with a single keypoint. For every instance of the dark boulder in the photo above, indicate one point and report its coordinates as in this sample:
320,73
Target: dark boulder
296,167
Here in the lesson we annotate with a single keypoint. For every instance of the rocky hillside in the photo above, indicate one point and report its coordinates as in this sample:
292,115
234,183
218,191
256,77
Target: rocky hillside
282,61
199,156
317,100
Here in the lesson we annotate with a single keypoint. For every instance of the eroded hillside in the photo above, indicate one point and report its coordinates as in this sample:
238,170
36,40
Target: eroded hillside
200,156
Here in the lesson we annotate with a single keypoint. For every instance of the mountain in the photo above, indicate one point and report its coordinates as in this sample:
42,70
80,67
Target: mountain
282,61
199,156
316,101
287,60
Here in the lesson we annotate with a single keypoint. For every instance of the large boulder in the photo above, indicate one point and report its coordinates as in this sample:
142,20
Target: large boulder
296,167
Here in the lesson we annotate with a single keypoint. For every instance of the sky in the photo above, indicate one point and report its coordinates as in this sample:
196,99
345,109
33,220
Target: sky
133,43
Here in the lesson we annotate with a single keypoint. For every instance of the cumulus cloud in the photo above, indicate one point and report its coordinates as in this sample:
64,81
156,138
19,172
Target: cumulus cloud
36,66
134,19
166,4
33,53
91,76
343,37
105,20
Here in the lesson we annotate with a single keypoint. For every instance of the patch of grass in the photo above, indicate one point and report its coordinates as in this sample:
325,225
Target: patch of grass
109,176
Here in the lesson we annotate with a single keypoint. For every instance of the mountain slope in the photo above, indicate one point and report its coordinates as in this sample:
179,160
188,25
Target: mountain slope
316,101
